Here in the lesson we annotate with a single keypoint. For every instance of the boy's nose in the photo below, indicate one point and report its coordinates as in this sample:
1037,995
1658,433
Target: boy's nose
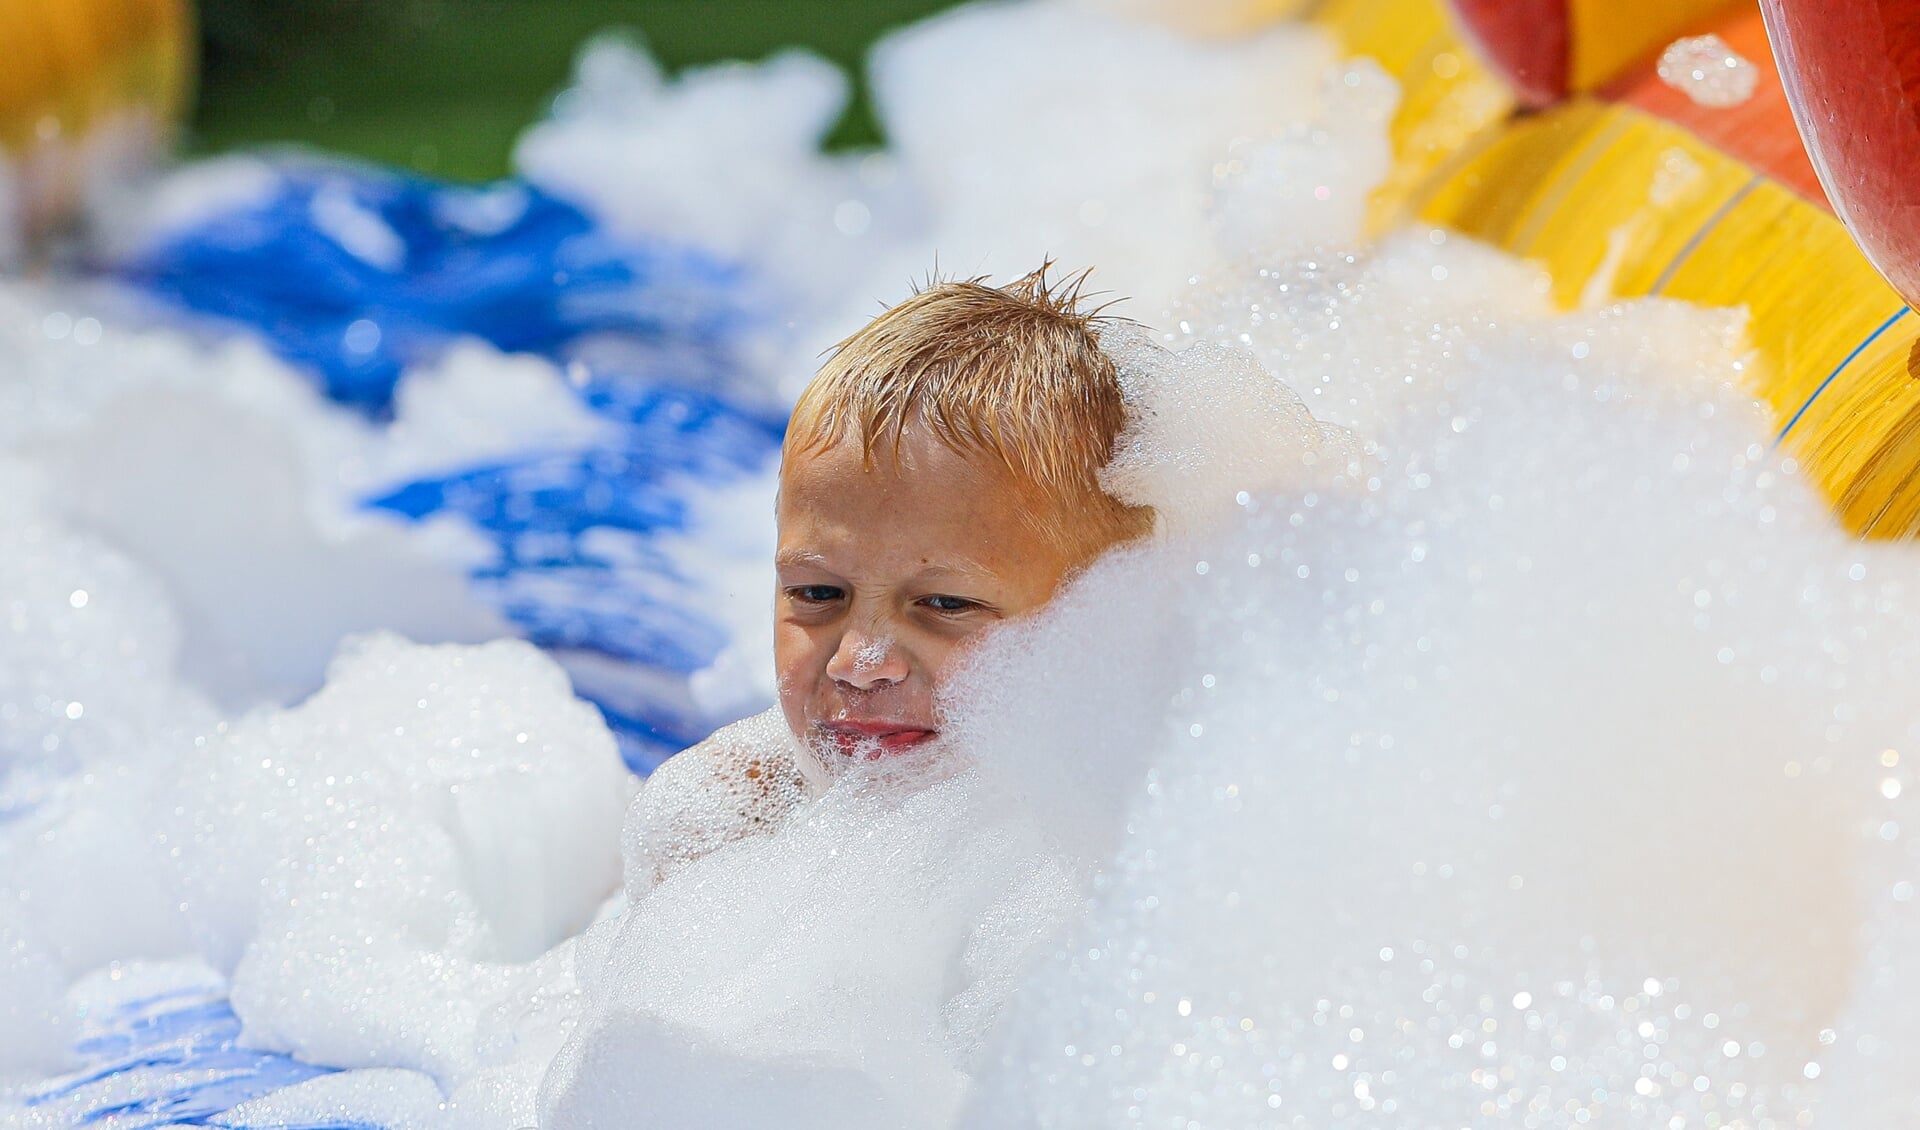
865,661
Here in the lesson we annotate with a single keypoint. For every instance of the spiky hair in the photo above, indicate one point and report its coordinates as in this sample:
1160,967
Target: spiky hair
1013,373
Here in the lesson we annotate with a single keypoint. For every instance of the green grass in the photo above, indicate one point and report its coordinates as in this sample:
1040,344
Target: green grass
444,86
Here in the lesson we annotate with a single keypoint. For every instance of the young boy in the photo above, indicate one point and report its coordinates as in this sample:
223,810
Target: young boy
940,475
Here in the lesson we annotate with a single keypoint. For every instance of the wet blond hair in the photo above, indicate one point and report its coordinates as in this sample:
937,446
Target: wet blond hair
1012,373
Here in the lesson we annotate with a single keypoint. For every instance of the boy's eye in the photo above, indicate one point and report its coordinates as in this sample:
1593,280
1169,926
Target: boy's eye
948,603
816,594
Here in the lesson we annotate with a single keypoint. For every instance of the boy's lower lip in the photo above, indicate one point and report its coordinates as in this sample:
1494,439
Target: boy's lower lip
872,745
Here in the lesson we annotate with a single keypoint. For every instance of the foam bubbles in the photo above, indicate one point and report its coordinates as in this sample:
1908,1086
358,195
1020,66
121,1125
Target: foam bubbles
1210,428
356,849
741,782
35,1025
844,968
1705,69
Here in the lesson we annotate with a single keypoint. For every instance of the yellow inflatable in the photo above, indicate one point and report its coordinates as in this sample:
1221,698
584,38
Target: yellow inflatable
1634,190
87,86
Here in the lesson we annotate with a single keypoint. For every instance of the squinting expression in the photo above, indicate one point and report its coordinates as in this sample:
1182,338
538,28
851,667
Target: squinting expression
885,572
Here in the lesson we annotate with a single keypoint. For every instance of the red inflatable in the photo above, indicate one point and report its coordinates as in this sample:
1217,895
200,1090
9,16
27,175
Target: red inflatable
1852,73
1526,40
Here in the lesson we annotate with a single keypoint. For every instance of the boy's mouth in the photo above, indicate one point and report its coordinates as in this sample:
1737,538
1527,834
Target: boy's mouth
871,741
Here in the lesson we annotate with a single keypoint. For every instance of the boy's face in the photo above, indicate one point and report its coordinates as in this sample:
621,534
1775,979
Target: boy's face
884,573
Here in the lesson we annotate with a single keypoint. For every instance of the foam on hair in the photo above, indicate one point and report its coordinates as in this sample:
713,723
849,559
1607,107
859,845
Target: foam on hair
1014,373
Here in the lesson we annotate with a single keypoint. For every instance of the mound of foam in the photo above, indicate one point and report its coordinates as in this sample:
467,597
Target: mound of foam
363,856
1447,809
842,970
458,803
89,707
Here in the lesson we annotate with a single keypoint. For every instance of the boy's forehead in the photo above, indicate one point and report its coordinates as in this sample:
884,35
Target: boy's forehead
939,510
916,462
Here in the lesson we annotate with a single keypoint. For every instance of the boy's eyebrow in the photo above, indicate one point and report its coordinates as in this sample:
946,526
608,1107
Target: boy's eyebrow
969,570
798,557
960,567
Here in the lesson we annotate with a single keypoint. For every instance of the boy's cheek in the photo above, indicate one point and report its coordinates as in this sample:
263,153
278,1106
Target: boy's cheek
792,653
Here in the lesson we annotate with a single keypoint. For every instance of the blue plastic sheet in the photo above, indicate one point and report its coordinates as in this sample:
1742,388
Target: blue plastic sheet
167,1060
353,274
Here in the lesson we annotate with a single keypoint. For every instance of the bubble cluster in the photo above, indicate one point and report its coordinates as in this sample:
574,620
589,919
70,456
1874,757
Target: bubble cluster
739,783
1209,428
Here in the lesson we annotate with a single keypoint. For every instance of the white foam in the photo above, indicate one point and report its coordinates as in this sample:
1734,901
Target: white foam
449,810
180,199
1108,170
91,703
474,405
1437,743
276,562
36,1028
1112,171
743,781
842,970
724,157
1209,430
390,1097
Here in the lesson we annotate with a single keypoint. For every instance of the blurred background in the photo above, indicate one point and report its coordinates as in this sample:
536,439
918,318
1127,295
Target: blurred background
444,86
